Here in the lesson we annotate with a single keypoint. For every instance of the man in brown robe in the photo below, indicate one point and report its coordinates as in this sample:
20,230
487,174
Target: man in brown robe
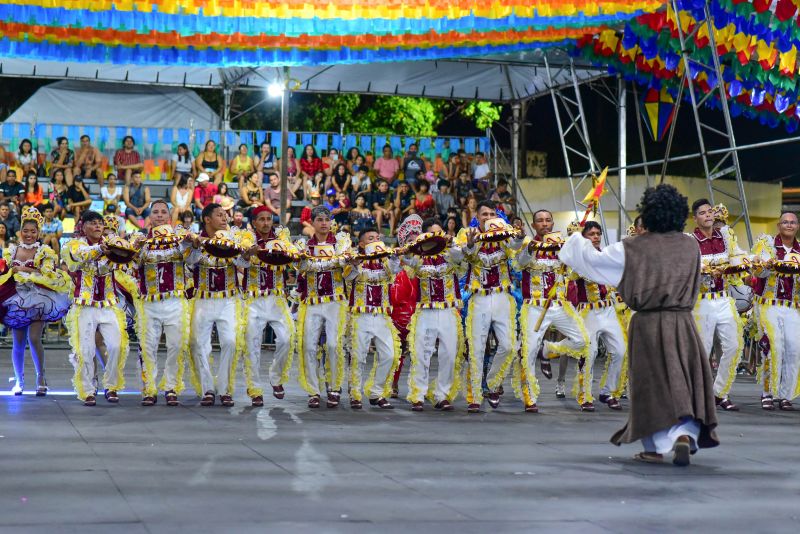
657,275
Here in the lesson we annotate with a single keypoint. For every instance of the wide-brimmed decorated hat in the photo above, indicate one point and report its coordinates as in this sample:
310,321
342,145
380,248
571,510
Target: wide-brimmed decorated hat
221,245
720,213
277,252
375,250
551,241
164,234
496,229
119,249
409,229
429,244
322,251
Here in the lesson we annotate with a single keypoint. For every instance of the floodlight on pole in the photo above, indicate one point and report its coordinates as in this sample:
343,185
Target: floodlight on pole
275,89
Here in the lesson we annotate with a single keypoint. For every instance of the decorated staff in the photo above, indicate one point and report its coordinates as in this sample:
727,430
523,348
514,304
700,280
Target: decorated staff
369,275
264,289
216,303
777,273
435,265
33,292
715,311
160,272
322,308
544,293
488,250
95,309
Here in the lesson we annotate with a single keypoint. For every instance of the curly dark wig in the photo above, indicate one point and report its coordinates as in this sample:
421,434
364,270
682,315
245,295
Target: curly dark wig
663,209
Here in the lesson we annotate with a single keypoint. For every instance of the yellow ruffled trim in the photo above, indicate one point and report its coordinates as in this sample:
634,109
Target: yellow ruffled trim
772,378
525,387
184,353
414,393
242,346
560,348
227,293
619,389
301,360
290,326
473,375
240,320
147,366
512,329
194,375
387,384
71,321
355,367
124,347
739,349
340,329
460,355
49,275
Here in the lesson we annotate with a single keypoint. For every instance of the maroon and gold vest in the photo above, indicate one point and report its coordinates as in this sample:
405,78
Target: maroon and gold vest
712,250
321,280
262,279
544,272
161,271
778,288
214,278
437,283
369,291
489,271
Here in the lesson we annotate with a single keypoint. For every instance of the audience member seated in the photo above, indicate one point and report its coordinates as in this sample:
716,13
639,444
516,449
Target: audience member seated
307,228
224,199
361,163
62,158
340,207
34,193
10,221
251,195
137,202
444,200
309,166
242,165
341,180
111,193
181,196
127,160
361,181
52,229
424,204
209,162
238,221
350,160
59,194
292,167
330,161
456,166
272,199
88,161
113,209
203,193
387,167
361,216
481,173
403,201
413,164
181,163
452,226
267,163
26,157
188,222
470,211
503,197
12,191
4,239
383,206
319,183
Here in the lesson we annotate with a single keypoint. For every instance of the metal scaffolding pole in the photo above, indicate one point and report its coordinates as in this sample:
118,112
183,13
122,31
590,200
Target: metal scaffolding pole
727,164
516,120
285,94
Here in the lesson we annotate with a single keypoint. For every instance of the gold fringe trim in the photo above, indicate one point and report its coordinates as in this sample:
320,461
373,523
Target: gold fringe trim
414,393
512,330
71,321
124,347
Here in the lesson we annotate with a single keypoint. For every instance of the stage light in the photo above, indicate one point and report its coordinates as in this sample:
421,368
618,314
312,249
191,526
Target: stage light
275,89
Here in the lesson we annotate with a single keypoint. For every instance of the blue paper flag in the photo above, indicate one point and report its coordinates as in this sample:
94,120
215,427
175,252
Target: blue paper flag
306,139
152,136
395,143
183,135
336,142
137,135
41,131
168,135
292,138
57,130
8,131
24,130
409,141
322,141
350,141
105,134
275,141
455,143
366,143
121,132
73,134
469,145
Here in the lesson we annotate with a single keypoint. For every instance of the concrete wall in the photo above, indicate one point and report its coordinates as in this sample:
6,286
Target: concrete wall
763,200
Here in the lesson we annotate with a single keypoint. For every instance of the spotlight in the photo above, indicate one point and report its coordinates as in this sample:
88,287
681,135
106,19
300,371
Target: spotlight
275,89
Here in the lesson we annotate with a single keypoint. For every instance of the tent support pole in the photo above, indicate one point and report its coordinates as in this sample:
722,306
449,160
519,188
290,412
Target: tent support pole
284,143
227,94
515,132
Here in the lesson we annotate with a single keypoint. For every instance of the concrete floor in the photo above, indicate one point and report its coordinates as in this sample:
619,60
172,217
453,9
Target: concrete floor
285,468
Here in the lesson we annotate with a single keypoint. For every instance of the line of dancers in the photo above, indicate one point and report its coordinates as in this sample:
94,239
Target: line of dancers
454,294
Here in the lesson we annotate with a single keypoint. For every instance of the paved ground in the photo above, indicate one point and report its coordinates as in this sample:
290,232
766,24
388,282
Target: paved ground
285,468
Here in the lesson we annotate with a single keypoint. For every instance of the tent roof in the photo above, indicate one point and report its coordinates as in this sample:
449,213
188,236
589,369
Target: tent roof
502,78
77,102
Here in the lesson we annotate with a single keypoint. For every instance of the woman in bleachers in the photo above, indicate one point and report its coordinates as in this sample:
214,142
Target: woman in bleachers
242,165
424,203
251,194
59,193
224,199
4,239
62,158
181,163
267,163
319,184
181,197
209,162
34,193
111,193
361,216
330,161
309,166
26,157
470,211
341,180
457,165
350,160
292,167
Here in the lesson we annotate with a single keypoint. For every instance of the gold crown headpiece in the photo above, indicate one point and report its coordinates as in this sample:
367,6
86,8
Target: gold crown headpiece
721,213
574,226
111,222
29,213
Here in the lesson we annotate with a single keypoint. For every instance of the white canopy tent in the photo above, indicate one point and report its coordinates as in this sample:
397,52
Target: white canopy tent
505,78
146,106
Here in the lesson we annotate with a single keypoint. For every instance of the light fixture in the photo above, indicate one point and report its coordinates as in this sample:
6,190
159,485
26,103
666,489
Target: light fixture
275,89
